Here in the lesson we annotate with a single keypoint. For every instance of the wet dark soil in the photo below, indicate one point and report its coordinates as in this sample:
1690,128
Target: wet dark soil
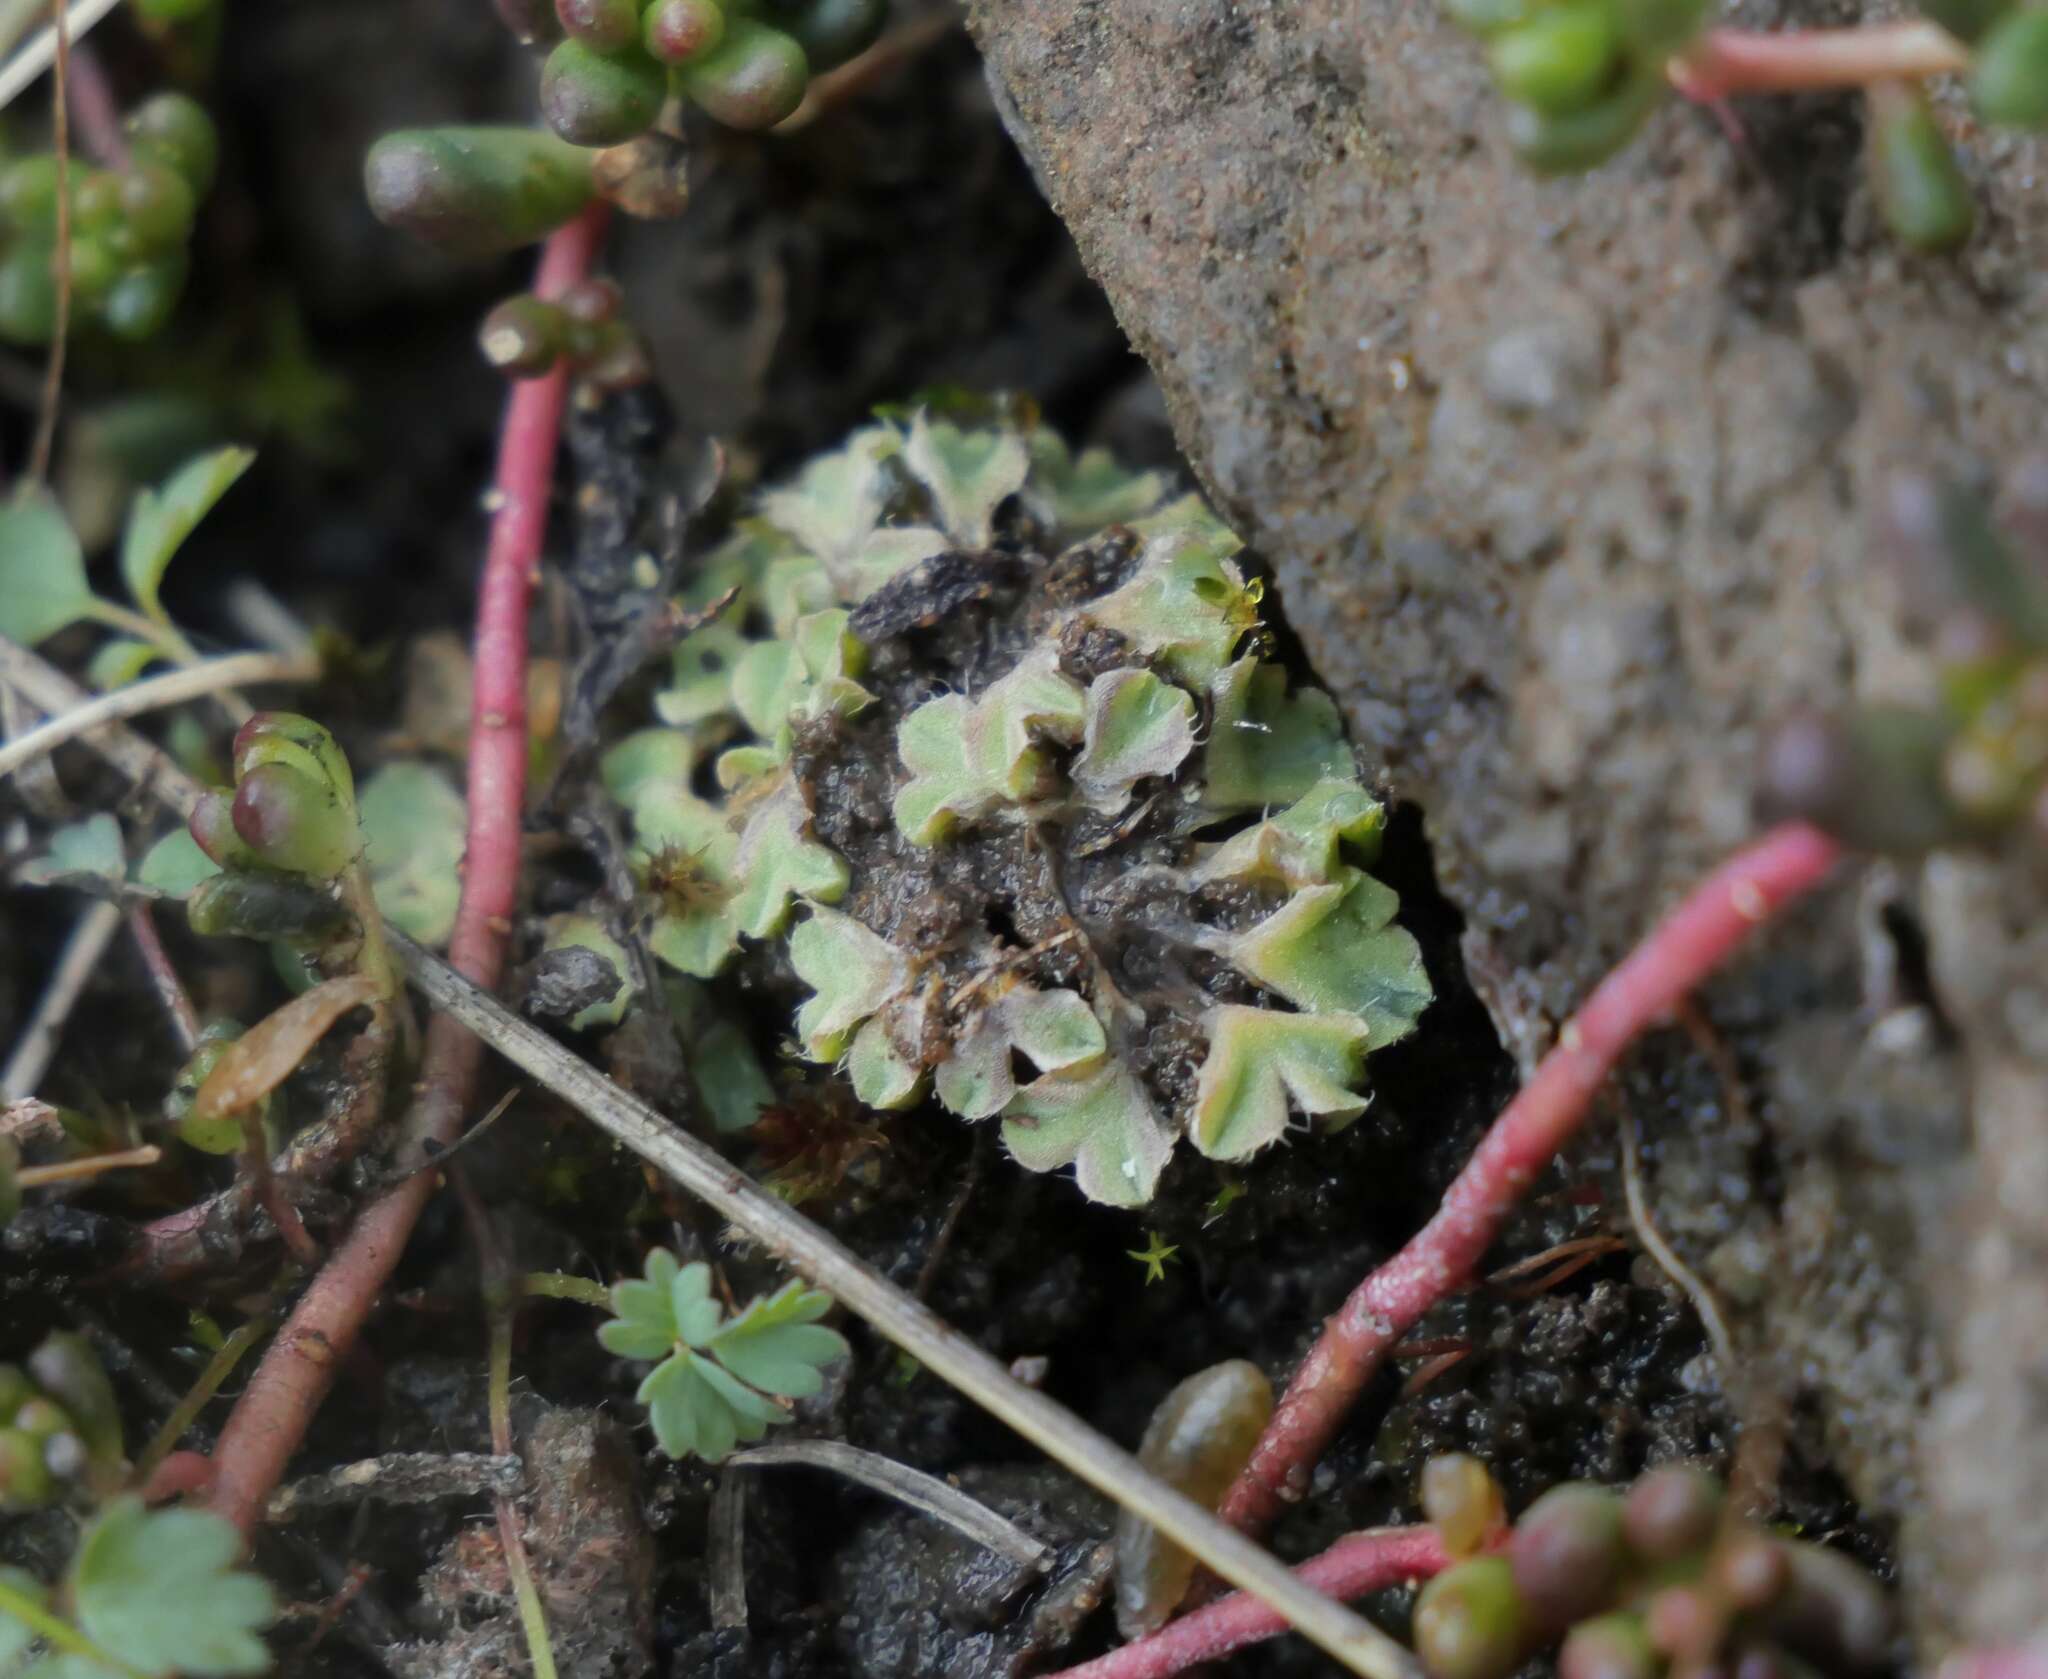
898,245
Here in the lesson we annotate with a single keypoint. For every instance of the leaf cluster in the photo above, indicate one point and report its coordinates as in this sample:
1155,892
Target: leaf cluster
720,1380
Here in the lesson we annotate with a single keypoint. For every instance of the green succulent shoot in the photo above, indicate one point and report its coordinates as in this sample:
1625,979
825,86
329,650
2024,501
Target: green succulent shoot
719,1380
1021,804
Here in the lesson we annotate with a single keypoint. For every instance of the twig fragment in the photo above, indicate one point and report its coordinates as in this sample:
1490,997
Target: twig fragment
38,1041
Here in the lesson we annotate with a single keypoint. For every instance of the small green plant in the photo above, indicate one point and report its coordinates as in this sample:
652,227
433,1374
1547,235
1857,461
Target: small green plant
148,1593
719,1381
1582,76
1659,1578
130,227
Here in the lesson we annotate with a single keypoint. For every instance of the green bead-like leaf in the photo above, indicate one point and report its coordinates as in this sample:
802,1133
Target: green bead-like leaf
1336,950
42,572
160,1590
414,827
969,473
1559,60
1925,198
1268,747
751,80
1563,143
593,98
1098,1119
1138,726
162,518
2009,75
852,973
476,190
1260,1063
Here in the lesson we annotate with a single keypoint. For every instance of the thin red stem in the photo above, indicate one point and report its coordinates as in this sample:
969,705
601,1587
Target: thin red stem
1730,61
1721,912
271,1417
1357,1564
163,974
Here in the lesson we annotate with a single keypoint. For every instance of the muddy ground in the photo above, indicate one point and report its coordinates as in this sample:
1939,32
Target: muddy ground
1563,489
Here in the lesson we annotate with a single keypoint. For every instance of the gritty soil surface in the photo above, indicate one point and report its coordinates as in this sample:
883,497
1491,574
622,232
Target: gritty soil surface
1559,485
1566,485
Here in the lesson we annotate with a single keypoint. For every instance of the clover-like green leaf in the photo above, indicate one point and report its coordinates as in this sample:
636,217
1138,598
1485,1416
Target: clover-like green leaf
1335,950
777,1344
1078,494
643,1320
701,674
852,973
1187,606
1260,1061
708,1392
1267,746
808,674
696,1310
120,662
967,758
42,571
793,586
162,518
778,862
881,555
682,836
1097,1118
698,1410
648,762
884,1064
1137,726
414,826
1303,844
1052,1030
87,853
160,1590
969,473
838,498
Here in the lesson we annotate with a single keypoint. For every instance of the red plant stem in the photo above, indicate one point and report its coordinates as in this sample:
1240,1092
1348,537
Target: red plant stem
1357,1564
1730,61
95,109
271,1417
1713,921
163,974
